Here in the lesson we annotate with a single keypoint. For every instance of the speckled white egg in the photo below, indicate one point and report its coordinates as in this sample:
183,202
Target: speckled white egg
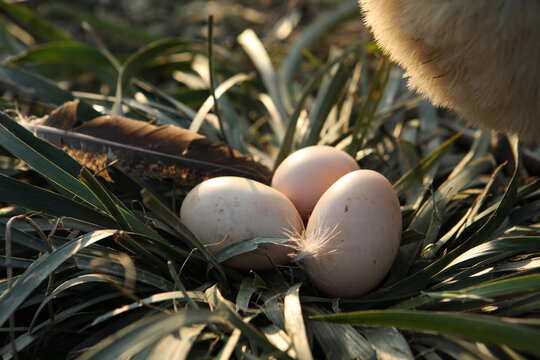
353,235
306,174
225,210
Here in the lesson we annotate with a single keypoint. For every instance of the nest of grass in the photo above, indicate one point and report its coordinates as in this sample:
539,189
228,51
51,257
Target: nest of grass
97,269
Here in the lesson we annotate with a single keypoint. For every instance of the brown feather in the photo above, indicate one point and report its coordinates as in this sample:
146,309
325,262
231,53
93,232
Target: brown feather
143,150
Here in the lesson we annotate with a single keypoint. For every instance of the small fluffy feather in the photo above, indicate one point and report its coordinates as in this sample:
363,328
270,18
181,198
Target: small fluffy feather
480,58
314,241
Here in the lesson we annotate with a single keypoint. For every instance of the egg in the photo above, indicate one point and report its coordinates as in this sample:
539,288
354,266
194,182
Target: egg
352,236
225,210
306,174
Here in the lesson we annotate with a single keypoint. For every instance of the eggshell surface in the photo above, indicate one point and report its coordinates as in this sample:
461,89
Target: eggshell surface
225,210
353,235
306,174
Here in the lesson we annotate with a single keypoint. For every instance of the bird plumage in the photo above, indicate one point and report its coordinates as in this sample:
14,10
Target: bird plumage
480,58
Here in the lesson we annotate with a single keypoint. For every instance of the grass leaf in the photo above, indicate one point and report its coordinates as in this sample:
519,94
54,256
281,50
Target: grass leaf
289,138
34,85
40,270
155,298
247,245
8,41
42,88
34,198
254,48
209,102
70,55
482,328
129,341
220,304
38,25
26,151
294,323
175,223
415,175
108,27
326,99
312,36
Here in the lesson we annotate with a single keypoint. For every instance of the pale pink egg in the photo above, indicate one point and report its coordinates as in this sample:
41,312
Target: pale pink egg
353,235
226,210
306,174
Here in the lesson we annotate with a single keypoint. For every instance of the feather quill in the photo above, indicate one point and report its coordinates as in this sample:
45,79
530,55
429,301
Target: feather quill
140,149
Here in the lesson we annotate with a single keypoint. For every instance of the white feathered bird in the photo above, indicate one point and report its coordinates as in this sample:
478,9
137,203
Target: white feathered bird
478,57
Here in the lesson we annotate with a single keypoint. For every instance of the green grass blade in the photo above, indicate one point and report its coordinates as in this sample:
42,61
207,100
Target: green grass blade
388,343
17,263
469,217
212,79
484,291
415,175
226,352
108,27
40,270
27,339
443,195
288,140
34,84
253,46
512,286
21,238
8,42
130,340
64,52
35,24
499,215
489,329
312,36
370,106
52,153
155,298
180,107
409,159
79,280
326,100
28,153
34,198
110,264
209,102
70,55
180,286
342,341
178,345
144,56
136,62
507,245
245,292
478,149
175,223
109,202
247,245
42,88
222,305
294,323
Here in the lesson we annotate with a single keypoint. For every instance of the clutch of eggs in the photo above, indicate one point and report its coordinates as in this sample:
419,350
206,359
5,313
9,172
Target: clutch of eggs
353,219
